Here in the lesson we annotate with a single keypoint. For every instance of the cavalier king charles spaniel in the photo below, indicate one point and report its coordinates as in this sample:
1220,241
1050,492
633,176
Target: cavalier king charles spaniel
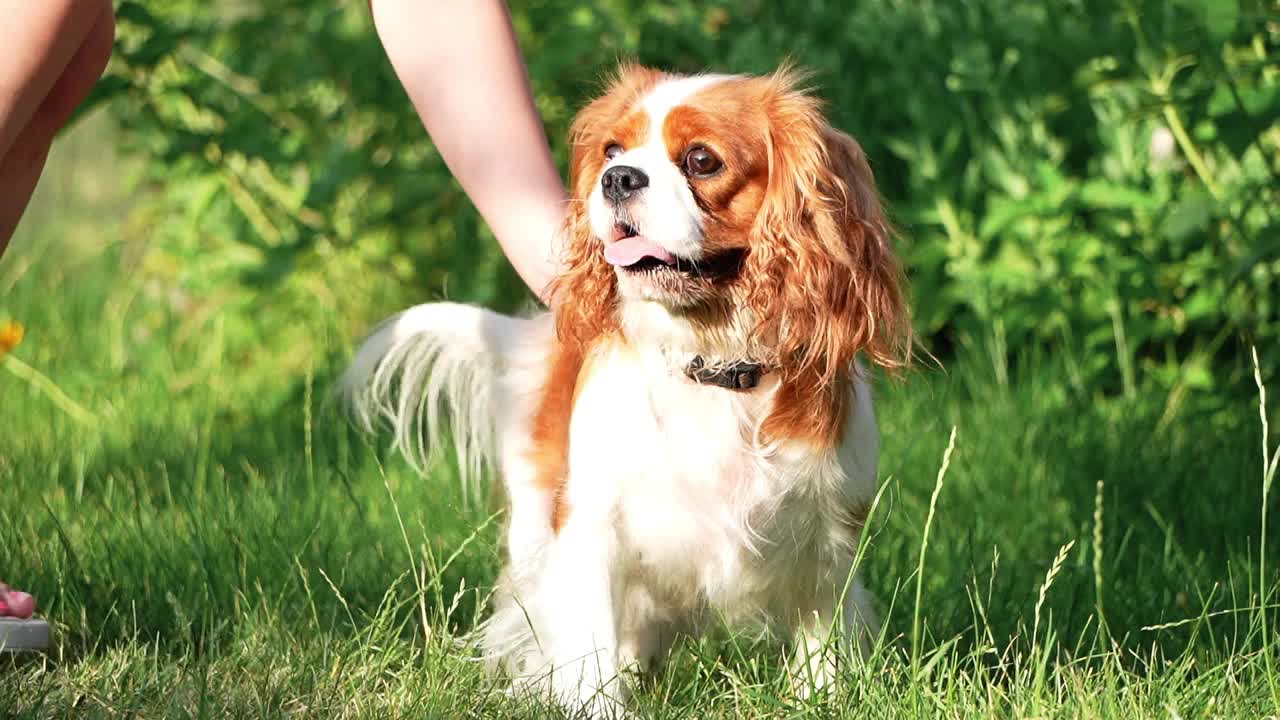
688,434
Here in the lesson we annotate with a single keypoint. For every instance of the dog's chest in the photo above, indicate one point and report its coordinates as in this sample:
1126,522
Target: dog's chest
675,466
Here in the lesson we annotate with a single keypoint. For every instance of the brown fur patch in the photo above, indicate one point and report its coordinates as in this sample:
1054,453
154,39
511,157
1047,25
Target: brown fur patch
550,434
724,123
822,275
807,411
629,132
567,375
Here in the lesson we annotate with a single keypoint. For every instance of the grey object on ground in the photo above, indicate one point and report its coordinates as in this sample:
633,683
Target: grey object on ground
18,635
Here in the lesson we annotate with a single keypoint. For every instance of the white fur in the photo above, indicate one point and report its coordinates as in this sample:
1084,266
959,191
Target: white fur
429,355
678,513
678,510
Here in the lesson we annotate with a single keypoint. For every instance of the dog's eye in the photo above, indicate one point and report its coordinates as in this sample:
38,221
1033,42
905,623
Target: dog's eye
701,162
612,150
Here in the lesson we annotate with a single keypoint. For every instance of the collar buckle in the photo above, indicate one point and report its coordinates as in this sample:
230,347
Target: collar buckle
739,375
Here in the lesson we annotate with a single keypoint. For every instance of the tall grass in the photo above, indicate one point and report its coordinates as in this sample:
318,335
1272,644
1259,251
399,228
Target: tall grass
219,543
1265,584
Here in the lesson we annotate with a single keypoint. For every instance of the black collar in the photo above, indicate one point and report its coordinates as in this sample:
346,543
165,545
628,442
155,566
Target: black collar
740,375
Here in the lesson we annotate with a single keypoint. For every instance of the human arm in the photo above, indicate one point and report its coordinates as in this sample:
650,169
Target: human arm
460,64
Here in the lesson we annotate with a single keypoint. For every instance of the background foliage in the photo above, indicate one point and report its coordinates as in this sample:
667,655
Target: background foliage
1091,177
1088,198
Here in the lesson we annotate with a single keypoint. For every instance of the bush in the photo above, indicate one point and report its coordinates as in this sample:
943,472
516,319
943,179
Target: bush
1094,178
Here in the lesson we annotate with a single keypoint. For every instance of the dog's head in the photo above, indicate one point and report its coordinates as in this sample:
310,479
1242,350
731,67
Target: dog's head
730,199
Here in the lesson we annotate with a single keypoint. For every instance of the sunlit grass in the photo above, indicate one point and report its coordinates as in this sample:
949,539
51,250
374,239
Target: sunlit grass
205,547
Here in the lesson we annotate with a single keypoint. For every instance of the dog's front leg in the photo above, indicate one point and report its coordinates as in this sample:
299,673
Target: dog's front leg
856,628
579,617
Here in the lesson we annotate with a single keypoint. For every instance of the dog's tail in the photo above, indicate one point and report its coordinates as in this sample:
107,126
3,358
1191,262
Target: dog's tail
428,358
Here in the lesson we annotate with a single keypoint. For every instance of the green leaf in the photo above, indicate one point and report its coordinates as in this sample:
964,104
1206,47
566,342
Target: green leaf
1103,194
1202,304
1190,216
103,91
1219,17
1003,212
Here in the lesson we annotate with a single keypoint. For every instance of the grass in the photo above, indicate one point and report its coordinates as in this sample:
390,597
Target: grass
213,540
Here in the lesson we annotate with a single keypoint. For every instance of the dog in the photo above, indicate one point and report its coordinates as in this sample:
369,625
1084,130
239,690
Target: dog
688,434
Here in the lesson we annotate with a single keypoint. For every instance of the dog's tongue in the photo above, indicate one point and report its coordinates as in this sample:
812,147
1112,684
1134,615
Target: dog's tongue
631,250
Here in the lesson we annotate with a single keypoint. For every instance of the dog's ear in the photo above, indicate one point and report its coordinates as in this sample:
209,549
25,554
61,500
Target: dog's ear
880,323
584,296
826,282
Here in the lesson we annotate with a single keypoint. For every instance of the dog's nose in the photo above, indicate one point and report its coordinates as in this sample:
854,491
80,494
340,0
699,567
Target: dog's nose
620,181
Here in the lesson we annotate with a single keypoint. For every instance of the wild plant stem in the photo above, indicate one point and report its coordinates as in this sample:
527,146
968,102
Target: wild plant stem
1189,149
51,390
1097,562
924,548
1269,462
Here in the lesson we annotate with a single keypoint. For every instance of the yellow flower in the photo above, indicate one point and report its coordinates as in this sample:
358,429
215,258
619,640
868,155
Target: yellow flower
10,336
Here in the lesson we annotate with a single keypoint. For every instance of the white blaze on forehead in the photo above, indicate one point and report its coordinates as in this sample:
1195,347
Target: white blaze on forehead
669,94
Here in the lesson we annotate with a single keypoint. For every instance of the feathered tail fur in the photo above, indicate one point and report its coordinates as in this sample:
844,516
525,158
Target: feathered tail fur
425,361
484,370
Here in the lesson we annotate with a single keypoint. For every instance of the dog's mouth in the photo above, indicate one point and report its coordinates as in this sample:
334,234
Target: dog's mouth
633,253
629,250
